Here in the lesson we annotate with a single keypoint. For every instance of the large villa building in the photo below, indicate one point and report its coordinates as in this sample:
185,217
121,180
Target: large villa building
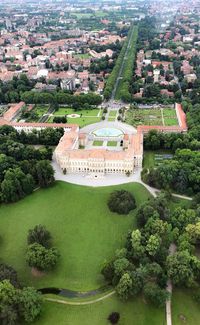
101,148
76,154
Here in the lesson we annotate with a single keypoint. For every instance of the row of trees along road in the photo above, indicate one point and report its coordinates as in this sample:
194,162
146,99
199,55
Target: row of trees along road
124,88
110,83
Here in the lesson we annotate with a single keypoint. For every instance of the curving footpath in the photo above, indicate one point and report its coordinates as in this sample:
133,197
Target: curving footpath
76,303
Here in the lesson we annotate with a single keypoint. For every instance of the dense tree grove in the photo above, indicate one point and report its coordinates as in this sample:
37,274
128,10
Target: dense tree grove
180,173
121,202
145,263
10,92
40,254
22,167
17,303
8,273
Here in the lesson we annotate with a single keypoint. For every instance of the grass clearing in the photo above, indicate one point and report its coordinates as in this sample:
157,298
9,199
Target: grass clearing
85,237
155,158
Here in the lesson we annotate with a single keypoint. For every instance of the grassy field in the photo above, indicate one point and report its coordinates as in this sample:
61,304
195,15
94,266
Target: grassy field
134,312
184,309
84,237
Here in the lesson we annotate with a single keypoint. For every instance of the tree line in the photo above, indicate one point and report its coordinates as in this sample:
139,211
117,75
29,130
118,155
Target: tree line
110,83
20,89
124,88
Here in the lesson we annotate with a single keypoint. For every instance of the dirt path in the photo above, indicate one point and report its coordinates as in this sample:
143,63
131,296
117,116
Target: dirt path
172,250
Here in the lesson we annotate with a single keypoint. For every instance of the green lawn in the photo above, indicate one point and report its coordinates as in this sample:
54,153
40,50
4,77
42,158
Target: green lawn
85,237
134,312
67,111
86,116
168,112
170,121
97,143
183,305
83,121
154,158
112,143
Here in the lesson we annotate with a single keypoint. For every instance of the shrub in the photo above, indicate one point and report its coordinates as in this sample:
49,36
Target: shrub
39,234
121,202
114,317
41,258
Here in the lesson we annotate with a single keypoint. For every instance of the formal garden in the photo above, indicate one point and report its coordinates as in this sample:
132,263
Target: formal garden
62,114
81,117
152,116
